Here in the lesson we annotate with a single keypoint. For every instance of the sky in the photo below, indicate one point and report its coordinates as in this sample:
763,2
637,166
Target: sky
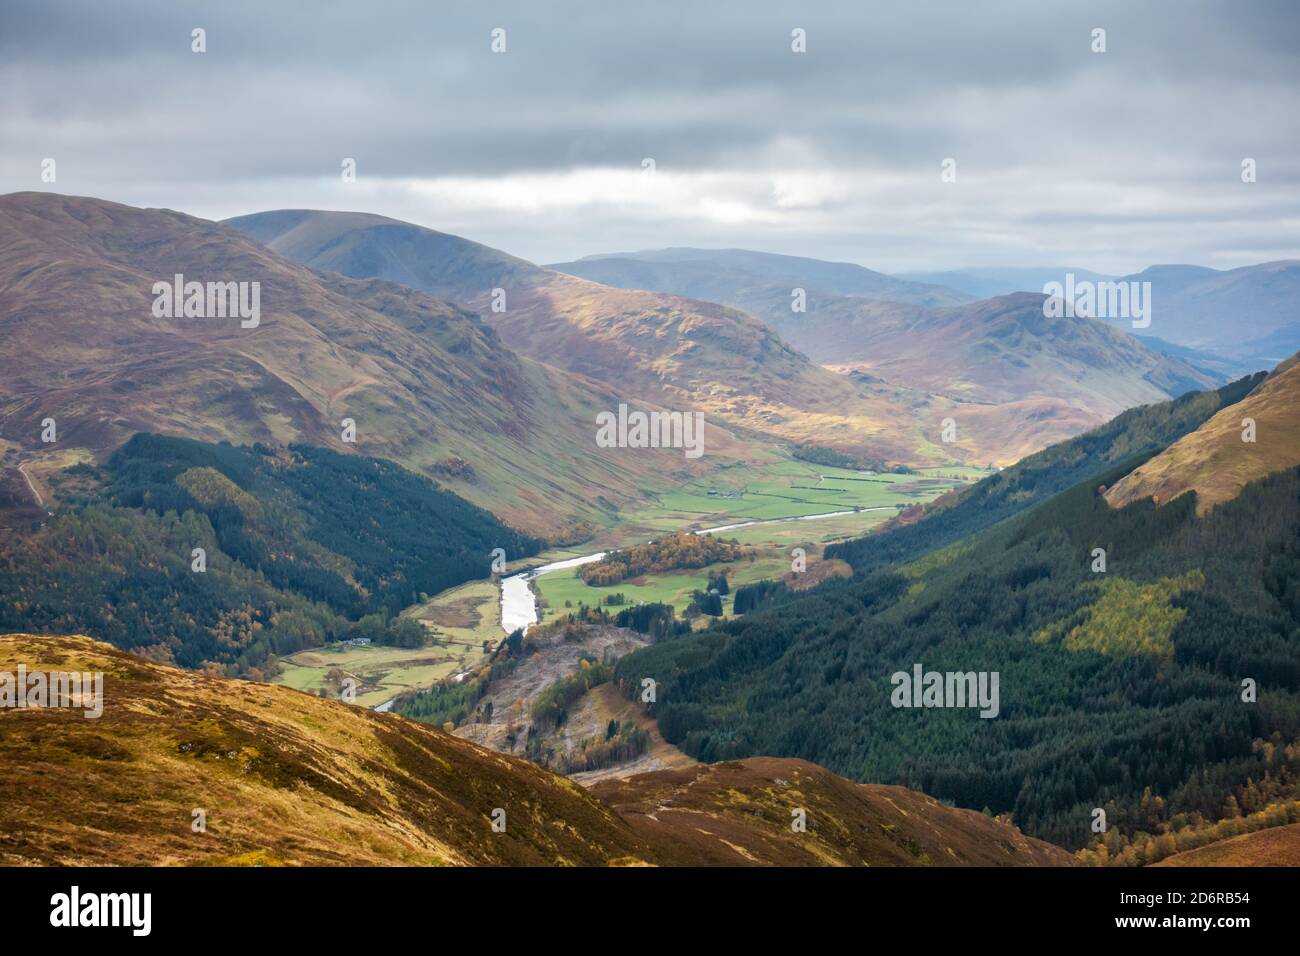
1111,160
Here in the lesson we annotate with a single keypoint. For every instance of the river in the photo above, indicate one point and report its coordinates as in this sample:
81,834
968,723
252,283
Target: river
519,603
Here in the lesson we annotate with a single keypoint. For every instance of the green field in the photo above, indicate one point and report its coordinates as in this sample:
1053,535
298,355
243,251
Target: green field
669,587
787,489
382,672
768,492
459,620
469,614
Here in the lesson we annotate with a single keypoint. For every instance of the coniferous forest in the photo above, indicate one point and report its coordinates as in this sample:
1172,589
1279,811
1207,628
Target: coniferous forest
298,546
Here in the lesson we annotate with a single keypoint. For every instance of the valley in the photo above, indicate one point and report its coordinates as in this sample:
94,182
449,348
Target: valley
389,500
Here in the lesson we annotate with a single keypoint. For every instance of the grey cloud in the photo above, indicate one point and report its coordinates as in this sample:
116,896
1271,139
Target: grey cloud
411,90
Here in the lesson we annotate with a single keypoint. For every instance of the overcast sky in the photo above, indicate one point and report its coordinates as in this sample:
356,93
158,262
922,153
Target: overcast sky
1111,161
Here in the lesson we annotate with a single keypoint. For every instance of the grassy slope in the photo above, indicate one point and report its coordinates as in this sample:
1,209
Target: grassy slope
1277,846
1213,461
289,778
1136,434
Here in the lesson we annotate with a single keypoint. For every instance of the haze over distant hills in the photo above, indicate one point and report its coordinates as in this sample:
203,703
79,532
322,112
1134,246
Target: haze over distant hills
715,274
987,283
919,336
1251,313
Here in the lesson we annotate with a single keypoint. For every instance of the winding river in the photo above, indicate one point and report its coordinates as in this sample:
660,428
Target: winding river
519,603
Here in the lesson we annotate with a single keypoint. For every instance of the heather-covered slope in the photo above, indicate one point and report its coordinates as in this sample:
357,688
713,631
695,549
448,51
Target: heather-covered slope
284,778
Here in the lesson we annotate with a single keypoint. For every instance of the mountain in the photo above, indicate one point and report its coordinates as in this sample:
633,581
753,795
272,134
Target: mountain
1250,312
1134,435
279,777
715,274
681,352
427,383
1211,364
1216,461
1004,349
990,283
1117,636
995,351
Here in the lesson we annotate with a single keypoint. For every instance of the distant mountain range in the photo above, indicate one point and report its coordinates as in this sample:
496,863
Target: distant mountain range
990,351
678,351
673,346
1250,314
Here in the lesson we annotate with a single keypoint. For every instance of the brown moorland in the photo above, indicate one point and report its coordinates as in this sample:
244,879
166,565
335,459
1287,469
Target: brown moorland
285,778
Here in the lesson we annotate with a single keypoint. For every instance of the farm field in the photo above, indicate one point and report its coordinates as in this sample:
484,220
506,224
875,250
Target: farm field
458,620
381,672
669,587
788,489
775,492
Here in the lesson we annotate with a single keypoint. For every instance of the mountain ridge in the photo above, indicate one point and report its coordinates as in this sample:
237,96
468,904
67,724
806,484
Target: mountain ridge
427,383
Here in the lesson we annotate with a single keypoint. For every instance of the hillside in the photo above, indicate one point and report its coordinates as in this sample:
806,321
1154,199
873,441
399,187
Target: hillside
1277,846
283,778
1248,313
716,274
679,812
427,383
1251,310
1132,436
998,350
1214,461
1108,679
301,546
674,350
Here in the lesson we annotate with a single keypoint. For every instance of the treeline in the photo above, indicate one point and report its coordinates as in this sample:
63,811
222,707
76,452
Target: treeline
1156,832
300,547
834,458
1084,722
681,550
1133,436
552,705
751,597
622,742
655,620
